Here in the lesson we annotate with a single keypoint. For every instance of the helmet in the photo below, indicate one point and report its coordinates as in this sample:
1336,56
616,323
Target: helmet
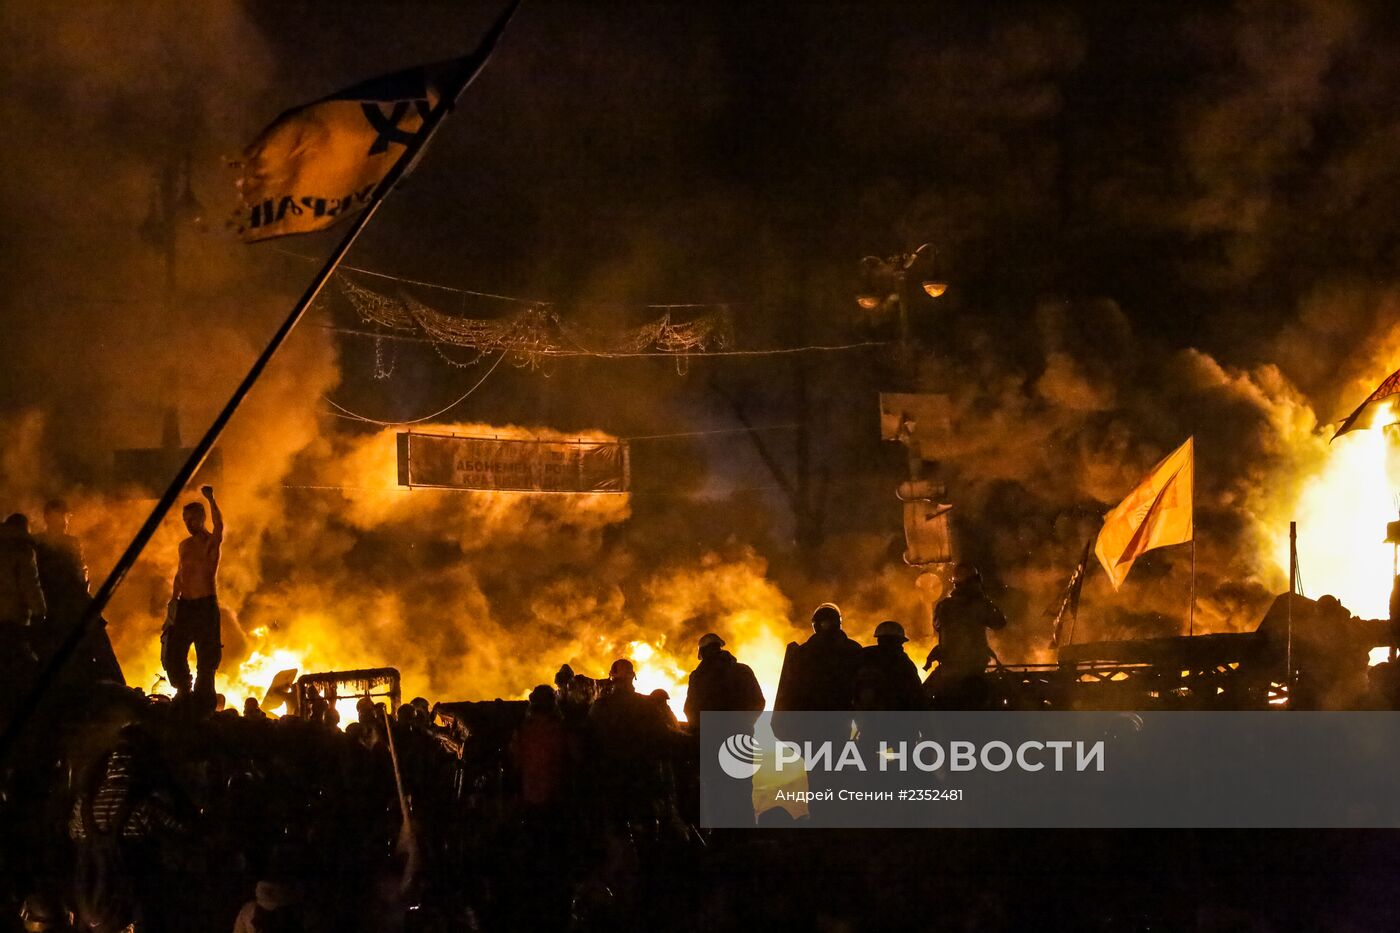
622,669
827,615
890,629
966,573
710,640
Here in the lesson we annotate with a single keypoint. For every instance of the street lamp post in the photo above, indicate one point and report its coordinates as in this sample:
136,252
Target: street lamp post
887,289
885,284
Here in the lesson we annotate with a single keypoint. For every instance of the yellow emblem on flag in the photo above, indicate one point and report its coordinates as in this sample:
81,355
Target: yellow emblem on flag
318,164
1156,514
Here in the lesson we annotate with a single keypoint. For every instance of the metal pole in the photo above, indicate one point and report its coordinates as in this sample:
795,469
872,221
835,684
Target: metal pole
415,146
394,760
1292,590
1191,617
1292,558
1394,584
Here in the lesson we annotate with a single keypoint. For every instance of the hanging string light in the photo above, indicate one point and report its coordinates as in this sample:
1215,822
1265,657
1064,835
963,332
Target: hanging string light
382,369
535,331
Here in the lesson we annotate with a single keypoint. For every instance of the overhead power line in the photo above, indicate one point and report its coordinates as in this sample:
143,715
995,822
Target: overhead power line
347,413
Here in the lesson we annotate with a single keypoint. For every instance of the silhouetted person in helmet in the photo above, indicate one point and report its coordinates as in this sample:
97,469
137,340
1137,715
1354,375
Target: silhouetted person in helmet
961,620
196,617
886,685
721,684
627,736
887,678
819,673
63,574
540,751
576,694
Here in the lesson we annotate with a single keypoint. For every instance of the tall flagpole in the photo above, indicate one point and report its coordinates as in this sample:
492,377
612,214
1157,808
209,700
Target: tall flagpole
1191,614
471,68
1191,618
1292,590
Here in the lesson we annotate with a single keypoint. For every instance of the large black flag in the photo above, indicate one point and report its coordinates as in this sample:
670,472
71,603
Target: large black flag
1069,603
1377,411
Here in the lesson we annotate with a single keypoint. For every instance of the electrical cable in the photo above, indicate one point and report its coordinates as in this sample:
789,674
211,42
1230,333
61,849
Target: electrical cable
354,416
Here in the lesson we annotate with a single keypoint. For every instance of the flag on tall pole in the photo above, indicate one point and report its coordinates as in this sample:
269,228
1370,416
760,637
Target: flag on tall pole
1378,410
468,68
1158,513
1068,609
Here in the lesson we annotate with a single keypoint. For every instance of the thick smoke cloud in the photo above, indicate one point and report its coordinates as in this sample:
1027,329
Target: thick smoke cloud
1168,224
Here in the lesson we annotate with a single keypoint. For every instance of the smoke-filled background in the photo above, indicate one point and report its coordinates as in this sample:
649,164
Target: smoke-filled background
1156,222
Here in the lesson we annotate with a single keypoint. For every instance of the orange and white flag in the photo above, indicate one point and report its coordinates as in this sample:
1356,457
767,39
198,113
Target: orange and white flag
1156,514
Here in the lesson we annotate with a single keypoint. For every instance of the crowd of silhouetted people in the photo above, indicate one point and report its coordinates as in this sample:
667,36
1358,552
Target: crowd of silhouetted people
128,812
572,809
577,809
43,593
485,815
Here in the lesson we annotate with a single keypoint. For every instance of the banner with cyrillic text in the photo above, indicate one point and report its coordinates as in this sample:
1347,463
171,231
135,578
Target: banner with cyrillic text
513,464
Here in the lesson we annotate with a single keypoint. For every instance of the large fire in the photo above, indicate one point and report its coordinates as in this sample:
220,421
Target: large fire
312,625
1341,515
304,590
658,668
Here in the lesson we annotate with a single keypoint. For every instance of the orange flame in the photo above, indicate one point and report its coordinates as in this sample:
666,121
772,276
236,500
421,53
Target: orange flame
339,624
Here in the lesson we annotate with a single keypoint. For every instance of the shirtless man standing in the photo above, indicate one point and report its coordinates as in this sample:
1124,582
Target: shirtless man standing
194,615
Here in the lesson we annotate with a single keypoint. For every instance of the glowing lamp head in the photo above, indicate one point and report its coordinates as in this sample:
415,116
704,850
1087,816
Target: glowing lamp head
934,288
869,302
